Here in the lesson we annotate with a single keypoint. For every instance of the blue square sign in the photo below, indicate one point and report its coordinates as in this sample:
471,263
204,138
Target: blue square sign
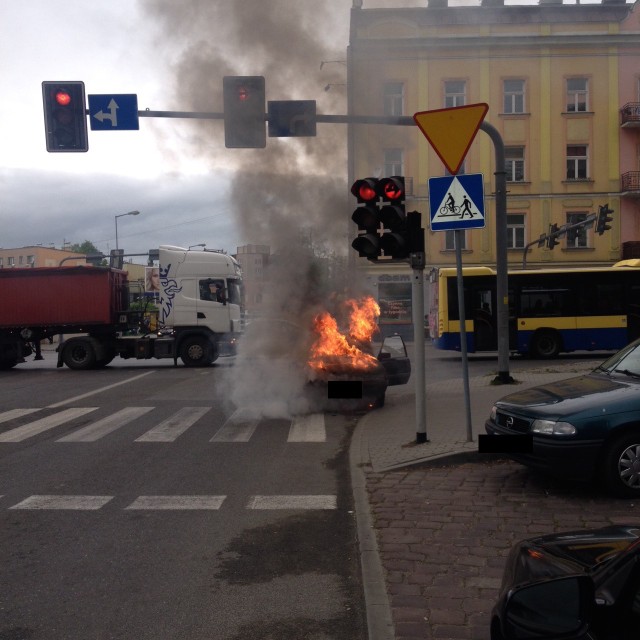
456,202
114,112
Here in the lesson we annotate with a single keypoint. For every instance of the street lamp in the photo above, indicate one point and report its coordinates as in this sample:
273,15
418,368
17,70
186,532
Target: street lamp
203,245
130,213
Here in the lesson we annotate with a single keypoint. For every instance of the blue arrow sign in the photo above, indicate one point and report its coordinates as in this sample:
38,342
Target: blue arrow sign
114,112
456,202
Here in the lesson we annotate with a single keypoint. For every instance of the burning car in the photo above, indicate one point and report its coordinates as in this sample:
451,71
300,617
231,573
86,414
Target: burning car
343,366
296,369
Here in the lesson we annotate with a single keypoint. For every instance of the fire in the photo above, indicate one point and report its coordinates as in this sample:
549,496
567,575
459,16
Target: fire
333,347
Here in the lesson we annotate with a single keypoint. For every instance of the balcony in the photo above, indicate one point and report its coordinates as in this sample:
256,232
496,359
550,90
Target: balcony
630,115
630,184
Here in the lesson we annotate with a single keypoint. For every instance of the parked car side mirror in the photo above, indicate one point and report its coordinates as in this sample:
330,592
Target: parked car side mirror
555,608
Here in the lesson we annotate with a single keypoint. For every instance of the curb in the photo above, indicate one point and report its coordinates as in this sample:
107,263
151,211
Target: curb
378,609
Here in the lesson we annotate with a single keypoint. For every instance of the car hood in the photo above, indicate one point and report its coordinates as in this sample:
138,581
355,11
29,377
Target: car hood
575,395
570,553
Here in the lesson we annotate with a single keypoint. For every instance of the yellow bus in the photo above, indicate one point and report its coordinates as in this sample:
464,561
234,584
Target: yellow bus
550,310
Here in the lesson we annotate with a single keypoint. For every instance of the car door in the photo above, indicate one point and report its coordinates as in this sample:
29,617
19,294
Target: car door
393,357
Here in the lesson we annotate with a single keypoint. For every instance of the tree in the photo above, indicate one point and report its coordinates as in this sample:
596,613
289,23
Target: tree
86,247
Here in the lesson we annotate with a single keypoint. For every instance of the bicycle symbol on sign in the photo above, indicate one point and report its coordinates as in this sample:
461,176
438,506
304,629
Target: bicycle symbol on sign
450,208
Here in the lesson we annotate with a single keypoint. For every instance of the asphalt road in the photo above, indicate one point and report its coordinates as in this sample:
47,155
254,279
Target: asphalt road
135,504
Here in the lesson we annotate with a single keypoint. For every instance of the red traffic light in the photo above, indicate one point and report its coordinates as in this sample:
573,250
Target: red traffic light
365,190
391,189
62,97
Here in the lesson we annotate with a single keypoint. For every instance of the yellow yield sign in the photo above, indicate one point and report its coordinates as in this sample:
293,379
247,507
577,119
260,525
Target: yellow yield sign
451,131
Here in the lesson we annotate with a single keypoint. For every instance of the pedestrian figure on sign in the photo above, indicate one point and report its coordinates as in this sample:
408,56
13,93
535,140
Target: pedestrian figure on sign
466,207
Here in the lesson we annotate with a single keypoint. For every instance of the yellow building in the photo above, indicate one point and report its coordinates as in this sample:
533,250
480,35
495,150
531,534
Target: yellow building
556,78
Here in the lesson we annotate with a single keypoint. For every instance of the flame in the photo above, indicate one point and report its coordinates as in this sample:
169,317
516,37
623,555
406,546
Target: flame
331,345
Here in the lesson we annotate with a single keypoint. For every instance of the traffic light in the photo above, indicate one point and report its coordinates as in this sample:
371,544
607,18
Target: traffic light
552,238
395,239
116,259
244,112
65,119
367,217
602,223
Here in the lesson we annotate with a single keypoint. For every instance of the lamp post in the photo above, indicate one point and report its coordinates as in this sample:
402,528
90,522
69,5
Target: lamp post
130,213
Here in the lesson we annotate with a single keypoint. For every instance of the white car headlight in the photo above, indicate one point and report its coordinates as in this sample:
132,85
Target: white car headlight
494,412
553,428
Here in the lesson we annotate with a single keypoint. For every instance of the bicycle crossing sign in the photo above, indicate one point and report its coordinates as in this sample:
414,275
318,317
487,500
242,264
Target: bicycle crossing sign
456,202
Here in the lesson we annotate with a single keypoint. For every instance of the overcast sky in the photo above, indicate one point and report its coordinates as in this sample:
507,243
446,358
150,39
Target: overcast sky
177,173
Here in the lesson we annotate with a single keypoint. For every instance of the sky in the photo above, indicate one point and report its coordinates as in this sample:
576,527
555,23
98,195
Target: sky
188,187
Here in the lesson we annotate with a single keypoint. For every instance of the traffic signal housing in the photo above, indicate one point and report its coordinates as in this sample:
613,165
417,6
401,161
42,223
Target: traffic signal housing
395,242
244,112
604,217
552,236
367,217
65,118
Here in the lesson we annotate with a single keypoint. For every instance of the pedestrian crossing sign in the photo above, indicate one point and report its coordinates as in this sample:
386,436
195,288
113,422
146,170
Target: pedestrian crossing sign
456,202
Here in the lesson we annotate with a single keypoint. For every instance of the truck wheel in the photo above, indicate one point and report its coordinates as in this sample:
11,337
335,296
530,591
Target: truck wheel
545,344
79,354
196,351
621,465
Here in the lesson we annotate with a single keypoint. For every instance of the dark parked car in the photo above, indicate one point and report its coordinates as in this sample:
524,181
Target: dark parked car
581,585
584,428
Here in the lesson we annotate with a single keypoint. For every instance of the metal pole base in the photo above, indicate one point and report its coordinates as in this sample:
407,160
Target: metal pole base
503,377
421,438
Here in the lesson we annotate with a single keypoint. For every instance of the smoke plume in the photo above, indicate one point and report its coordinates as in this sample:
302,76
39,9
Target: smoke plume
287,191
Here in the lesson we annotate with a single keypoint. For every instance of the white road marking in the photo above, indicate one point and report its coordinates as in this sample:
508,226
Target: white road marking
308,429
78,503
168,430
292,502
15,413
44,424
179,503
239,427
100,390
101,428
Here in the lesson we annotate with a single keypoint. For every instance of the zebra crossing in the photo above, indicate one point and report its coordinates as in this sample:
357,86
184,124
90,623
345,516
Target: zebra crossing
174,503
239,427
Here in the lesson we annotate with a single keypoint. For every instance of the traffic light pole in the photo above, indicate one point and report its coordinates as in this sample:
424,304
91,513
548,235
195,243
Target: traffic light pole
417,262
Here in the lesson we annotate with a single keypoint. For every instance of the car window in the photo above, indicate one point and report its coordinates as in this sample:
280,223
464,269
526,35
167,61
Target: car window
627,358
394,346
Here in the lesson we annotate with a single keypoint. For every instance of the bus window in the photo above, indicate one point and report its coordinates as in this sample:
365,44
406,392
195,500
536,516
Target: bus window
543,303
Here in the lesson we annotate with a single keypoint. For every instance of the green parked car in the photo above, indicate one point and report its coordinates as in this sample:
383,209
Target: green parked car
584,428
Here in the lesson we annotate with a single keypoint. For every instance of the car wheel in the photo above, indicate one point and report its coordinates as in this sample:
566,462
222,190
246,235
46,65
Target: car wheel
196,351
621,465
545,344
79,354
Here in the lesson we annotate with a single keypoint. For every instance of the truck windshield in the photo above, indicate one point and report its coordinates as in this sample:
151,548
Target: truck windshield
234,291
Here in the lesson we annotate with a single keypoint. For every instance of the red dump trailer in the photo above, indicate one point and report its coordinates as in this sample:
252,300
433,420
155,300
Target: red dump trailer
43,302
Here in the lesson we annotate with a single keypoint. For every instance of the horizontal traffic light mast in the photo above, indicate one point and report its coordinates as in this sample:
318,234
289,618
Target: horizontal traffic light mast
550,239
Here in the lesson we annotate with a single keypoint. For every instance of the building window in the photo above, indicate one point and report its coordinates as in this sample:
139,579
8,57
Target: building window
11,262
393,99
577,238
514,163
31,261
577,162
393,163
450,240
515,231
454,93
577,94
514,96
1,263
